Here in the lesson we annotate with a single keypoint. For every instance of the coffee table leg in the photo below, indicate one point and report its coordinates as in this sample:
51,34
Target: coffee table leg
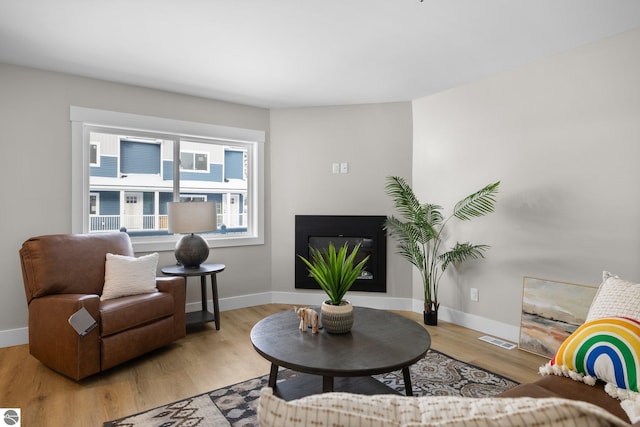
327,384
407,381
273,375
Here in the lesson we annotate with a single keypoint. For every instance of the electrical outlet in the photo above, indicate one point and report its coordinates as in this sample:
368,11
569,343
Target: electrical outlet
344,167
474,294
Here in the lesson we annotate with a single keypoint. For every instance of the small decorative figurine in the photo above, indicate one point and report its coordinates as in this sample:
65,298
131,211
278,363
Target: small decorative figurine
308,316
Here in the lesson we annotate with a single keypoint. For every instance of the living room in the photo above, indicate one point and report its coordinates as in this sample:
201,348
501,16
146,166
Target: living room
559,132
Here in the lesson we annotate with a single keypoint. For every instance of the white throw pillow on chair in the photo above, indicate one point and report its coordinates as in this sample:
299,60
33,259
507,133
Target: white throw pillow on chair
125,275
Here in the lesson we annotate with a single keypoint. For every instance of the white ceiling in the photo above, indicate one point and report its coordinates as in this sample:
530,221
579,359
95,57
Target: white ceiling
290,53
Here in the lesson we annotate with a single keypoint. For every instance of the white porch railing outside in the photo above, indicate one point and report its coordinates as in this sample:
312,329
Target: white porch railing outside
130,222
147,222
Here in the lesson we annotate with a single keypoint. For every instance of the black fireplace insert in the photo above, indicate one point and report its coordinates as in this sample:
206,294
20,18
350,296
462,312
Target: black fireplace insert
318,231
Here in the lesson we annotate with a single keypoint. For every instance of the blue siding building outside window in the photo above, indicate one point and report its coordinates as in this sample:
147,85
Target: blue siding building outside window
164,199
167,170
234,164
109,203
214,175
108,167
131,173
149,201
139,157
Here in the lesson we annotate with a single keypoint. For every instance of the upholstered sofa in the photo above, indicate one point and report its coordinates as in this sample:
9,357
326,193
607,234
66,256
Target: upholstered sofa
562,387
64,273
592,380
353,410
552,401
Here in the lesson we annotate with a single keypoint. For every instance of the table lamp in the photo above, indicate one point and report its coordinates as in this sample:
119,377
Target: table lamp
189,218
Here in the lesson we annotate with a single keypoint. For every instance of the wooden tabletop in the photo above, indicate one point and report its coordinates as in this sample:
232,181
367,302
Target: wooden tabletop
379,342
180,270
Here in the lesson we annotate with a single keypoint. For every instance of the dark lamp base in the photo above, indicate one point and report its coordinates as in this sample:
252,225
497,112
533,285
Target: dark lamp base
192,250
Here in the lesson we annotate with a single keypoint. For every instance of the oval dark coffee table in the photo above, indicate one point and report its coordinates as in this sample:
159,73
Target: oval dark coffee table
379,342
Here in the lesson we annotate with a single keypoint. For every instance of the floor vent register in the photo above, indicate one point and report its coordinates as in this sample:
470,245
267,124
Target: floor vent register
498,342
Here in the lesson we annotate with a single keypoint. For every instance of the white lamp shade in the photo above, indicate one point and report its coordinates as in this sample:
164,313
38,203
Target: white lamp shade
192,217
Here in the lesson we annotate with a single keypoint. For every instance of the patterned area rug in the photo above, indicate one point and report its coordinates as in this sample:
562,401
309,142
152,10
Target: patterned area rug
435,375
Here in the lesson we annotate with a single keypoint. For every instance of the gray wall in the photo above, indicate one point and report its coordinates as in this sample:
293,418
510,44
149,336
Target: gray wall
36,170
563,135
375,140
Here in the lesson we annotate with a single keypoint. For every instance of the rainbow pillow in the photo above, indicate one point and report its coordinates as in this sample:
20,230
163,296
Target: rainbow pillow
605,349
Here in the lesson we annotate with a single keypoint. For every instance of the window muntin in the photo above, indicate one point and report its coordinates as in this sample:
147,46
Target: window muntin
107,182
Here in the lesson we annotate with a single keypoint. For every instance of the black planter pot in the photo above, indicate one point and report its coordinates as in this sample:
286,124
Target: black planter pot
430,318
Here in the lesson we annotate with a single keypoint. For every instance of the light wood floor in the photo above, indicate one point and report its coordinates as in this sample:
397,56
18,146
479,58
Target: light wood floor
205,360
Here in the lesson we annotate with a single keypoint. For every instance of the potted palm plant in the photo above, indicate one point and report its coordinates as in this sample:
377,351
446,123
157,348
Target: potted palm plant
335,272
420,235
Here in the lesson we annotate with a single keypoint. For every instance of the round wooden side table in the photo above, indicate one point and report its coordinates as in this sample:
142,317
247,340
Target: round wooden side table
204,270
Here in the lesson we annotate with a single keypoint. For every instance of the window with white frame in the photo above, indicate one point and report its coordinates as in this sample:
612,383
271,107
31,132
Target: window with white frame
94,154
93,204
167,161
195,162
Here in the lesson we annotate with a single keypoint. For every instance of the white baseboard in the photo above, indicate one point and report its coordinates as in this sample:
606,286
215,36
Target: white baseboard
505,331
302,298
480,324
471,321
233,303
12,337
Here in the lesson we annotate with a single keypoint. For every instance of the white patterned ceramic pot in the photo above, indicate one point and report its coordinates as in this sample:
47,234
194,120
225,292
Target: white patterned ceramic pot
337,319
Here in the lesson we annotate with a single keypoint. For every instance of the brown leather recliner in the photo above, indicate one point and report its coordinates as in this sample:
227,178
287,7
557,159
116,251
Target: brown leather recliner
63,273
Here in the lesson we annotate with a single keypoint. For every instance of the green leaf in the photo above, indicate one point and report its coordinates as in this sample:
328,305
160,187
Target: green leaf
334,271
404,200
477,204
462,252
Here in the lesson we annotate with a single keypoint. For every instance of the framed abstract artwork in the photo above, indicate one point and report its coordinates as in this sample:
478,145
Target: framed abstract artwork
551,311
